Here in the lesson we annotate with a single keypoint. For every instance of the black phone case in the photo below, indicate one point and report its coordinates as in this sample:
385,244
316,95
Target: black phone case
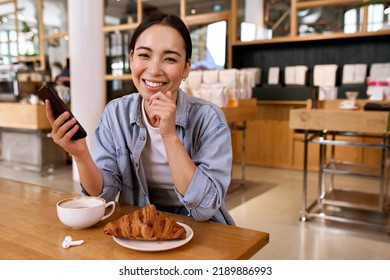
59,107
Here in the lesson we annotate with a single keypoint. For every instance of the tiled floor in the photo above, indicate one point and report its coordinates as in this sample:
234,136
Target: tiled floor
270,201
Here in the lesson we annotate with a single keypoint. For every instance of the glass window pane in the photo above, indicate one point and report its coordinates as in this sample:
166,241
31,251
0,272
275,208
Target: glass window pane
13,49
259,20
12,35
195,7
7,24
28,27
150,7
57,52
117,52
329,19
3,36
209,46
7,10
376,17
350,21
120,12
28,43
55,16
3,49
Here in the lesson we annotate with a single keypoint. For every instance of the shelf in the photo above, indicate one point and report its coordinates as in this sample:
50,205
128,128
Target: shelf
370,219
314,37
117,77
55,35
29,58
354,199
346,168
324,3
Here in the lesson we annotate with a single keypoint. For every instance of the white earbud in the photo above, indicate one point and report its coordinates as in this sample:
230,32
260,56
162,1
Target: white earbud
69,242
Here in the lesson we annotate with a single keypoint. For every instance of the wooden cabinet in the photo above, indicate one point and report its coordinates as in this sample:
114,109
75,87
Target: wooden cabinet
269,140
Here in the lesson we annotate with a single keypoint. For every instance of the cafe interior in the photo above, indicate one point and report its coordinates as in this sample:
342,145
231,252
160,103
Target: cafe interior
303,84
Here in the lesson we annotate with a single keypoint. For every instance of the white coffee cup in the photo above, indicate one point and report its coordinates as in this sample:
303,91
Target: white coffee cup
81,212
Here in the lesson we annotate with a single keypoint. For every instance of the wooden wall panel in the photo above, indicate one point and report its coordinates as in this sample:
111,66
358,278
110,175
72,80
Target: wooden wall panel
269,141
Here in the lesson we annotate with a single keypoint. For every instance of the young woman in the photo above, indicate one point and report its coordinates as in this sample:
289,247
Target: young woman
158,145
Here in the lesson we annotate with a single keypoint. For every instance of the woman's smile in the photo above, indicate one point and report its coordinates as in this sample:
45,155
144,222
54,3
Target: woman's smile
153,84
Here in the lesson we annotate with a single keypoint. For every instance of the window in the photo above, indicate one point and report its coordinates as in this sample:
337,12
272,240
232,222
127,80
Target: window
377,17
209,46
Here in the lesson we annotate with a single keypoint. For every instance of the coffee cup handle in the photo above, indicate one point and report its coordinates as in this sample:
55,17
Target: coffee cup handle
108,204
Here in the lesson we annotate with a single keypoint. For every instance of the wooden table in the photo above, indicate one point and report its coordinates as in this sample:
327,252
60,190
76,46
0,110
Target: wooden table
359,121
30,229
319,126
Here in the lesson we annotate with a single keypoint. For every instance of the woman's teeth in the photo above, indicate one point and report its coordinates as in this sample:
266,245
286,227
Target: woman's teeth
153,84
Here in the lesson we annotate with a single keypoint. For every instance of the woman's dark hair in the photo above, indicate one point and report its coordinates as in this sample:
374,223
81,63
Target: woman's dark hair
168,20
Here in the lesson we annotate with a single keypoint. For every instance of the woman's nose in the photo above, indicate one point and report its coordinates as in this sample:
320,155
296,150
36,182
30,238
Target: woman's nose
154,66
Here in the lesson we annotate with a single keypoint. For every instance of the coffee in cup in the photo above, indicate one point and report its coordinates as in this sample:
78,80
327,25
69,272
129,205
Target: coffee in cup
81,212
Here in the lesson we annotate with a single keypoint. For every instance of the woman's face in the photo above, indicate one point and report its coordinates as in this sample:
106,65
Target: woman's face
158,61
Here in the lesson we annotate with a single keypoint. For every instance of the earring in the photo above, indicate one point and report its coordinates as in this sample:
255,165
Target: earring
184,79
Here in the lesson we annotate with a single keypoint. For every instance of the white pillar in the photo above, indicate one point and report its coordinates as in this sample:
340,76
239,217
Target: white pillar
86,55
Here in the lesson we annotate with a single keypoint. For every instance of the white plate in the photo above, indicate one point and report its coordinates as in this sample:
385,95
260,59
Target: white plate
154,245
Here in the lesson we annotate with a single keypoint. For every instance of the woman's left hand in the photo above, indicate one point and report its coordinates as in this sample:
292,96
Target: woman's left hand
162,112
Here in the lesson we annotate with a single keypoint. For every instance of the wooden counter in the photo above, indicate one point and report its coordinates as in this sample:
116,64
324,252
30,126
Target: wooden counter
269,140
329,116
238,113
244,110
23,116
340,120
24,138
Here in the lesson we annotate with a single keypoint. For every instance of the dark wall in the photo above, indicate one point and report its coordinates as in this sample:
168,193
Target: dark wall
368,50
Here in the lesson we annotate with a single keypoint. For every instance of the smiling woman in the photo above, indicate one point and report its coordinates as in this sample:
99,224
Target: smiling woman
157,145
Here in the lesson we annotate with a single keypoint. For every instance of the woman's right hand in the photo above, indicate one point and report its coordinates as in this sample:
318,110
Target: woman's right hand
63,130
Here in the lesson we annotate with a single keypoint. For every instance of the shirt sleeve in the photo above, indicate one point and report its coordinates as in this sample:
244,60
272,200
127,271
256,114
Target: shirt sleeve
213,159
105,156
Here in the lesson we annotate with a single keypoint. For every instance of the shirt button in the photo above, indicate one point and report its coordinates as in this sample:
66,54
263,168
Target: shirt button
142,138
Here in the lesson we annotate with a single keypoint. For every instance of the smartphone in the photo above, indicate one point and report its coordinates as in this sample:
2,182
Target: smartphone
58,106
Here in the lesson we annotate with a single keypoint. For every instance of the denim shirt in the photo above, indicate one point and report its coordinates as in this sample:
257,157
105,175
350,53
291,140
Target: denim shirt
202,128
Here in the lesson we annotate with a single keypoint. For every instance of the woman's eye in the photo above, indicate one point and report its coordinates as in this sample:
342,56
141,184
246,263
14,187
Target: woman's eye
171,59
143,55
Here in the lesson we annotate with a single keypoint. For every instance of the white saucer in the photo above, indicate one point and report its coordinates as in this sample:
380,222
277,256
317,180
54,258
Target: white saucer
349,108
155,245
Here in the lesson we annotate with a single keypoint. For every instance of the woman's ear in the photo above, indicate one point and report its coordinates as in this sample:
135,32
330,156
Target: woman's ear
187,68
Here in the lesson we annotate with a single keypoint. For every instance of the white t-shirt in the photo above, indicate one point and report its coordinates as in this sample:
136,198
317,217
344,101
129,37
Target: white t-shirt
158,173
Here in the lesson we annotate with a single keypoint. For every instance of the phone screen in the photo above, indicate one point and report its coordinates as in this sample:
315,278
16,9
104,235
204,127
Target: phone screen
59,107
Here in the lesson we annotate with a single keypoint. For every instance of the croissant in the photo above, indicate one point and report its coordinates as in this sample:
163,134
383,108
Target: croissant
147,224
